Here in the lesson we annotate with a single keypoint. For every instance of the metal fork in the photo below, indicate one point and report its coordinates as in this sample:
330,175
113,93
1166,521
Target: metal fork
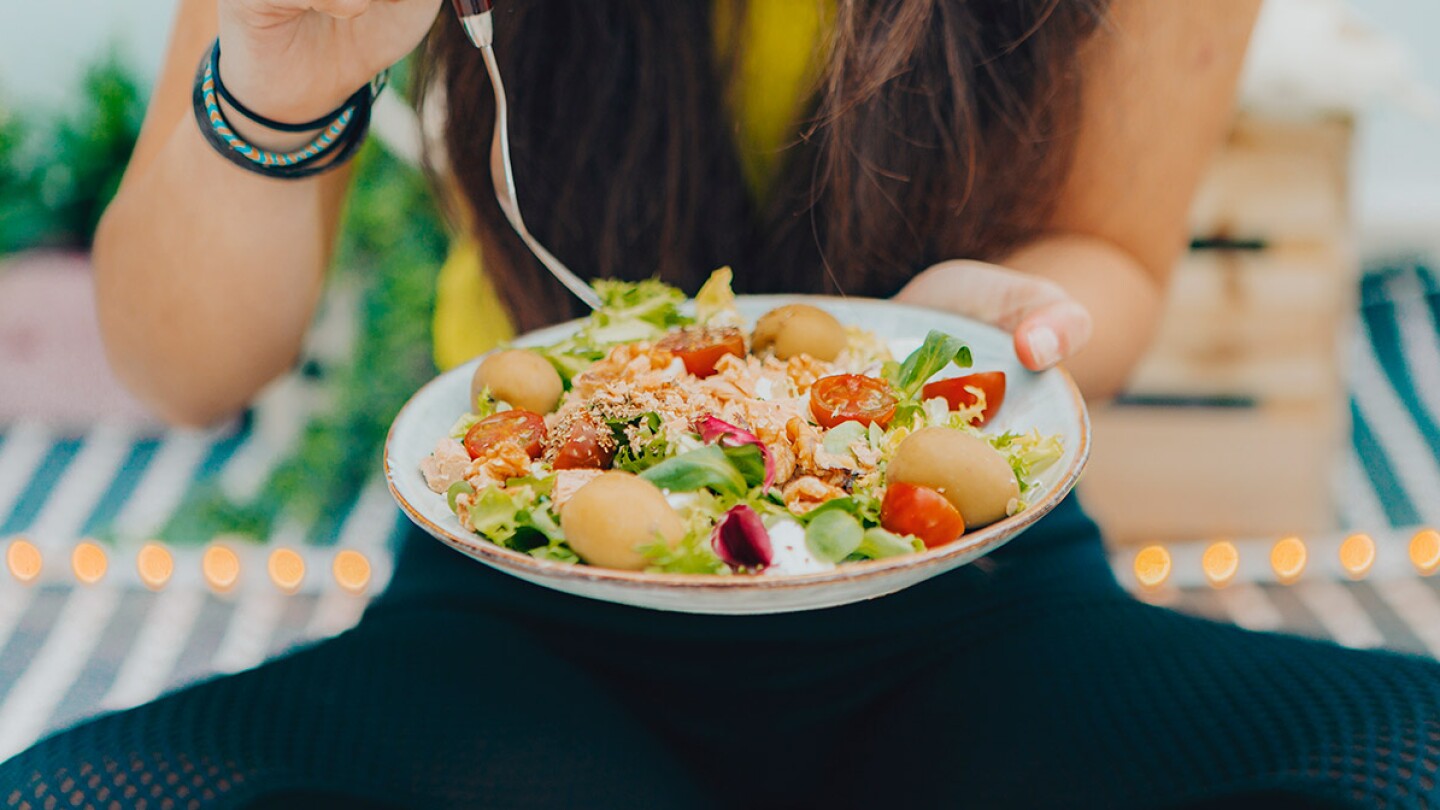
476,19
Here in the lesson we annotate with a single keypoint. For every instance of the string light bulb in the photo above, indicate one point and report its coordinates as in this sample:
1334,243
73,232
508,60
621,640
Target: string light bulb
1152,566
1220,562
1287,558
155,565
221,567
1425,551
89,562
1357,555
24,560
287,569
351,570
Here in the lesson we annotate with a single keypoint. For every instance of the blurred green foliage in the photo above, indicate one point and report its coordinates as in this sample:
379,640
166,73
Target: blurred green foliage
57,176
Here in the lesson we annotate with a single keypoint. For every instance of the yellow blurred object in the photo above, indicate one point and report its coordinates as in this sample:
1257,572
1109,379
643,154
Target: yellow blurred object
24,560
1152,566
1357,555
1288,558
89,563
469,318
287,569
154,565
1220,562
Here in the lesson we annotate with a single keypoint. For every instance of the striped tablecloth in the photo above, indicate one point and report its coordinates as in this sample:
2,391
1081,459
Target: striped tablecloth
68,651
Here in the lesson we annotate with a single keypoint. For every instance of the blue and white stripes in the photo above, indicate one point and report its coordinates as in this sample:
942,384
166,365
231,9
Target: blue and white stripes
67,651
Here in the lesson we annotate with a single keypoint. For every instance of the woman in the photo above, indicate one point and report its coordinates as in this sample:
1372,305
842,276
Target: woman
1028,163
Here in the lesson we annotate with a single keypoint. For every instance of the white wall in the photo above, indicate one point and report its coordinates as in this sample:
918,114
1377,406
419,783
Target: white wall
1398,166
45,44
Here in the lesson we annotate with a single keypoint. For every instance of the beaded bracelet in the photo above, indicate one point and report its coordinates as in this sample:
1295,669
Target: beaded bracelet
341,133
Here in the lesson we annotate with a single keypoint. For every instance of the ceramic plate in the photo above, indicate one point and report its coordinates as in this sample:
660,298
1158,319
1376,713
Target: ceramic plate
1048,401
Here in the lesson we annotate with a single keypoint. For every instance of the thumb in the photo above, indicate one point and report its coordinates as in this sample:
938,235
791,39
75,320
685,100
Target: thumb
1051,333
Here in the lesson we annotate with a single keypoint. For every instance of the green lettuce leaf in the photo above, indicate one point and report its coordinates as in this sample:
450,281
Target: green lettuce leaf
653,446
716,300
631,311
838,439
709,467
877,544
692,555
456,490
834,534
938,351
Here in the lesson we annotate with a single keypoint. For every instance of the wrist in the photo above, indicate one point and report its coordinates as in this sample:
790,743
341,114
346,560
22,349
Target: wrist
337,134
278,98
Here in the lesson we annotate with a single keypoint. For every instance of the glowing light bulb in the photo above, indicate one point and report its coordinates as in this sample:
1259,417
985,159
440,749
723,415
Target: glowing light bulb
1152,566
154,565
352,571
1357,555
24,560
1288,557
89,562
1220,562
1425,551
287,569
221,566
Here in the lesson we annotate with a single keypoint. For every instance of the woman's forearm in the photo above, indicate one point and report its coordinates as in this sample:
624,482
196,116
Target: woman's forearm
207,276
1123,297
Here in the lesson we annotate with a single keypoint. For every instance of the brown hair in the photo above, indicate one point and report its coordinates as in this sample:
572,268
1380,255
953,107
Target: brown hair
938,130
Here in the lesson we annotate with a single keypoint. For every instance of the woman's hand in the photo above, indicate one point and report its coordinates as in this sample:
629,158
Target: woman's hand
1048,325
296,60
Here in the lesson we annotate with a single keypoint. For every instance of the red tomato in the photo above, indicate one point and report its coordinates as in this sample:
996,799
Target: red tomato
701,348
524,428
852,398
953,390
921,511
588,447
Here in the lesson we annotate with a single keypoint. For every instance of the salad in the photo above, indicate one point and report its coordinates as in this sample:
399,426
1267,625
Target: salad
655,440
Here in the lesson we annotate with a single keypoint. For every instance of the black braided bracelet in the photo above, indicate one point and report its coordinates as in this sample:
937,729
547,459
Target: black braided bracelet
270,123
340,136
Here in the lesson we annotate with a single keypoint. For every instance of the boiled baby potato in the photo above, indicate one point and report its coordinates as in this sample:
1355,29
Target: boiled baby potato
799,329
520,377
607,518
970,473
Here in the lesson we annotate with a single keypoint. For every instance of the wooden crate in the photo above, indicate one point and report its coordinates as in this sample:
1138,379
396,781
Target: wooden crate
1232,423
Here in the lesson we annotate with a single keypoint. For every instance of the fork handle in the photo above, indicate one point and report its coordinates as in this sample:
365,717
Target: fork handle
469,8
475,19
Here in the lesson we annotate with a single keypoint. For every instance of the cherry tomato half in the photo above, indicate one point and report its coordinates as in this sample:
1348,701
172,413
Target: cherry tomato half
700,348
953,390
852,398
525,428
921,511
587,447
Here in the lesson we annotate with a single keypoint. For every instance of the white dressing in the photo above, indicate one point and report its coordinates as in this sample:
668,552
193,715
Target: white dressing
792,554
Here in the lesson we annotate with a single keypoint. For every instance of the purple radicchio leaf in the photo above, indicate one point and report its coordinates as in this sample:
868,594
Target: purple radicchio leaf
740,539
714,430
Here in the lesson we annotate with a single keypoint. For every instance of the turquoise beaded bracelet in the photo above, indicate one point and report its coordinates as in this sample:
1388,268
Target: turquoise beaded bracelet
336,143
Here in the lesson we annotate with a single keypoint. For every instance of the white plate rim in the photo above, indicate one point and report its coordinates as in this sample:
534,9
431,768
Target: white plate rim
970,545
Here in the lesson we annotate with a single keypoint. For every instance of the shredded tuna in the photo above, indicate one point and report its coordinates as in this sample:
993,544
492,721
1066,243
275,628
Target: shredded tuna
501,462
807,492
568,482
446,465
